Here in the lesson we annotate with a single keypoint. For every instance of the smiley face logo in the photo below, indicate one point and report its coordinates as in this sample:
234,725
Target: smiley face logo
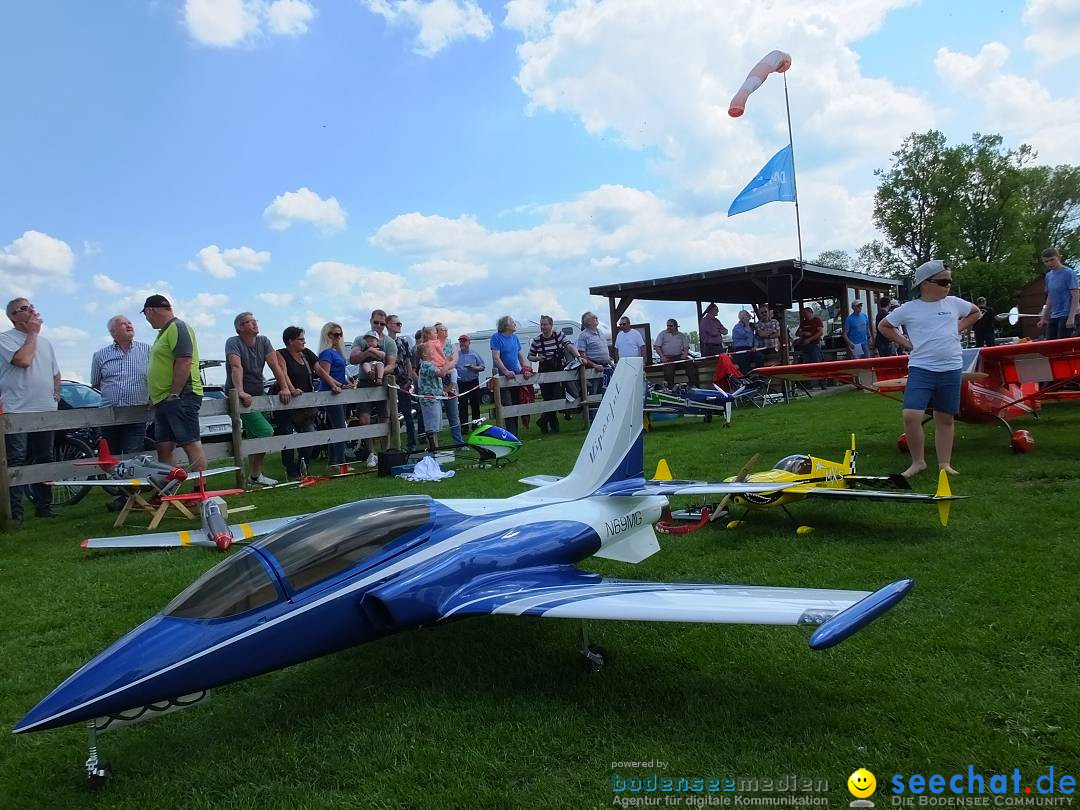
861,783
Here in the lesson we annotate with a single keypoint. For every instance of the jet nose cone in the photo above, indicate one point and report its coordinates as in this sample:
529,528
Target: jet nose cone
121,677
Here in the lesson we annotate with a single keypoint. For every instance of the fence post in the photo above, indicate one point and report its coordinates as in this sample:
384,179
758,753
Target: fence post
238,440
393,438
584,385
5,484
497,395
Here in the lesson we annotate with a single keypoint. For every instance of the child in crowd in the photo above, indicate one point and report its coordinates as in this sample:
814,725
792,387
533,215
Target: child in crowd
429,388
373,369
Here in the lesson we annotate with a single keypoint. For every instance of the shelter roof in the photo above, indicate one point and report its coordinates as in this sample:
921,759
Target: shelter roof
747,283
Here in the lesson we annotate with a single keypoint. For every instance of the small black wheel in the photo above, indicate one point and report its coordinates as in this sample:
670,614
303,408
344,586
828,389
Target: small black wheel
98,778
595,659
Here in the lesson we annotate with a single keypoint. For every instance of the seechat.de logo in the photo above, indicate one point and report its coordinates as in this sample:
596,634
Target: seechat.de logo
861,784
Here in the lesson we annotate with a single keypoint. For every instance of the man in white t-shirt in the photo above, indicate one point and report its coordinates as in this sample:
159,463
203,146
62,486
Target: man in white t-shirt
29,381
629,342
934,323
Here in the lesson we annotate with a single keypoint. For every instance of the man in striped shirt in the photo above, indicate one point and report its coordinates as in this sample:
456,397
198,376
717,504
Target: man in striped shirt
118,371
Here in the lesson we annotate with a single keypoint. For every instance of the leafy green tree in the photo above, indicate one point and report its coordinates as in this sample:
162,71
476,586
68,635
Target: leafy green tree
836,259
913,205
984,207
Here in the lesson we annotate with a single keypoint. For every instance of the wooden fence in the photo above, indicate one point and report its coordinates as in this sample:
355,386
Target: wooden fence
581,376
237,449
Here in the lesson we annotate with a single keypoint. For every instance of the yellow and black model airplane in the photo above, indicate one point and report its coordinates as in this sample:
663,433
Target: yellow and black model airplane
807,476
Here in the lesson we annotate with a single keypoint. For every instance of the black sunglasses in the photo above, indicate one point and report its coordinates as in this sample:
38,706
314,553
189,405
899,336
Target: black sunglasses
941,282
23,308
334,334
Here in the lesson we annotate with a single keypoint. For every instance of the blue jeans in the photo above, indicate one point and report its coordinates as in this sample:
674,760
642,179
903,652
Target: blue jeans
335,451
1056,328
284,426
450,407
938,388
405,407
30,448
125,439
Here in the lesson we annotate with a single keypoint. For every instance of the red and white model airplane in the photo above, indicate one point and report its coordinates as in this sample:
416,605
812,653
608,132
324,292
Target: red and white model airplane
1000,382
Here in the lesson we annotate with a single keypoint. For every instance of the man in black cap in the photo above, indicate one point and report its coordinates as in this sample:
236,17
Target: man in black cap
173,381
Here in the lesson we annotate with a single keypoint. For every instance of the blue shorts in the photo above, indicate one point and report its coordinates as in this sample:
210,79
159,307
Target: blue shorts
937,389
177,420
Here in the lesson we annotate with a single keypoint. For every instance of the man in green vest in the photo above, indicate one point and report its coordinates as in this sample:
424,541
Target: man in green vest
173,381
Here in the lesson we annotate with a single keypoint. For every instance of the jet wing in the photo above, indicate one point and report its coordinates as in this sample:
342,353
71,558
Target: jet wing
703,488
241,532
567,592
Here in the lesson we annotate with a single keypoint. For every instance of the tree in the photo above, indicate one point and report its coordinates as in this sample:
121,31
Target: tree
1052,198
913,204
982,206
836,259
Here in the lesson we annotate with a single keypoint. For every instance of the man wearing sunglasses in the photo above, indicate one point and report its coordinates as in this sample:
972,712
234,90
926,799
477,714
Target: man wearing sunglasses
385,353
933,322
29,381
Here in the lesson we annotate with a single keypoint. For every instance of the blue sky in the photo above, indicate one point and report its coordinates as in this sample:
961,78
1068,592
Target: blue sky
453,160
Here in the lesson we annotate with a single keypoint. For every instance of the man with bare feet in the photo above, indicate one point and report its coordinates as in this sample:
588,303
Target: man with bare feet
934,322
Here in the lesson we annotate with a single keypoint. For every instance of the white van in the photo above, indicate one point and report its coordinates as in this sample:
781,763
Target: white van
481,343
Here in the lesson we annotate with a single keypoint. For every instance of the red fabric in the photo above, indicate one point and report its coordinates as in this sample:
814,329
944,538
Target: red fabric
527,395
725,369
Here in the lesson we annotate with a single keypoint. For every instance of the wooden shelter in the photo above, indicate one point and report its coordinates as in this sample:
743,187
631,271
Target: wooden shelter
779,284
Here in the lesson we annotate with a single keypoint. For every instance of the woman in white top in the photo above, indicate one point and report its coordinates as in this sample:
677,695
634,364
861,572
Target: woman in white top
934,323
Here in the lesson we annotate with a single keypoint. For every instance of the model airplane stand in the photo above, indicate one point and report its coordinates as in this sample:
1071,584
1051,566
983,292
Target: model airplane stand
158,507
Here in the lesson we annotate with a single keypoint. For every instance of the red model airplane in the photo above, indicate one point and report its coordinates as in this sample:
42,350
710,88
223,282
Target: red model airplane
1000,382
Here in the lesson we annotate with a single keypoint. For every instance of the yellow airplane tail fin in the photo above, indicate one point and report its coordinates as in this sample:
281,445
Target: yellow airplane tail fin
663,471
943,491
849,458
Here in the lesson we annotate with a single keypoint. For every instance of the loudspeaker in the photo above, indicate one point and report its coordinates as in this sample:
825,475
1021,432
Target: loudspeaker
778,288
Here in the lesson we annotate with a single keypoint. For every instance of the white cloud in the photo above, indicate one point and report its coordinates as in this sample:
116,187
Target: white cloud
1055,30
440,22
37,253
658,76
1019,108
276,299
203,309
289,17
448,271
91,248
33,260
108,284
304,205
528,16
224,263
221,22
227,23
64,334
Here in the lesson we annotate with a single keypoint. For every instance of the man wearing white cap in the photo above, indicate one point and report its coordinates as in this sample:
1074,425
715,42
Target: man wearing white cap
934,322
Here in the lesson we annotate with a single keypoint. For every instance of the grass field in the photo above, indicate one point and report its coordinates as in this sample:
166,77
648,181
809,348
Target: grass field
977,667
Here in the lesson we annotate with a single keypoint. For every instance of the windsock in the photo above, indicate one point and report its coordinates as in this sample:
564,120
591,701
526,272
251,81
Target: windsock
774,62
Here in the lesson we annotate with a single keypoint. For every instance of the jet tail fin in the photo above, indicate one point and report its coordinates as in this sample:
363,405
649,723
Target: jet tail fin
613,452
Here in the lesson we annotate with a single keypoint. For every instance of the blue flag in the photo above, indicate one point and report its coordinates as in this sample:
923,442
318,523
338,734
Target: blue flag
775,181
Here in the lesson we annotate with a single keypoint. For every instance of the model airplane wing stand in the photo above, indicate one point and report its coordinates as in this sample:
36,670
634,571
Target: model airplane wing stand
370,568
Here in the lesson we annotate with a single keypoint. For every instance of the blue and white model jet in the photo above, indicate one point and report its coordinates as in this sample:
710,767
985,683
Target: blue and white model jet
370,568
